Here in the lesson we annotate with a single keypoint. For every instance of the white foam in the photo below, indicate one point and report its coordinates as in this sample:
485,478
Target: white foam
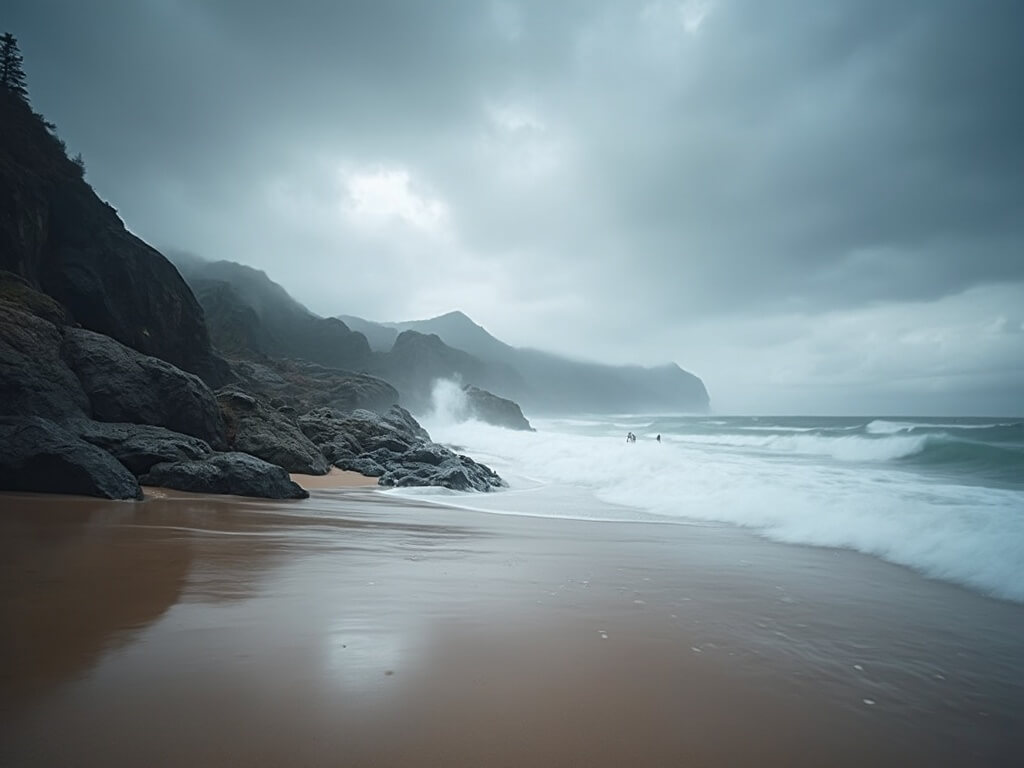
843,447
884,427
968,534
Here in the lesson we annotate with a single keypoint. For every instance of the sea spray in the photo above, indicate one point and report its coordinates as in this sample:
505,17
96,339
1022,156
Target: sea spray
449,404
822,486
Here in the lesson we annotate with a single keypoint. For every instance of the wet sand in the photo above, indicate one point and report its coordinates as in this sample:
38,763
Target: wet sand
355,629
336,478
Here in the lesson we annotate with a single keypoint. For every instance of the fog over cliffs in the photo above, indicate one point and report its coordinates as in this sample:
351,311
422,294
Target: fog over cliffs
249,315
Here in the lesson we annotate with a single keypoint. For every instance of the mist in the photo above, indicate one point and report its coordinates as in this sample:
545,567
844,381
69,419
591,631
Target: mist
811,211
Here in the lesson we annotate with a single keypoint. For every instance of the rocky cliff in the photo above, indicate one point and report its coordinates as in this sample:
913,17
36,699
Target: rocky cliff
101,341
250,316
70,245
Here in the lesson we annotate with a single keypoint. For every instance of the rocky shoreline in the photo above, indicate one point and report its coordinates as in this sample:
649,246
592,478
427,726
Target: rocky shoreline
84,414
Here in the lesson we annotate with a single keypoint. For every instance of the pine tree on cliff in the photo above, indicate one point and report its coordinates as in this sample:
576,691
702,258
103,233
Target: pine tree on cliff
12,76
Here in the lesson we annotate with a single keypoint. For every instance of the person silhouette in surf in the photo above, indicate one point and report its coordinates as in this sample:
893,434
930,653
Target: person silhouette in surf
658,438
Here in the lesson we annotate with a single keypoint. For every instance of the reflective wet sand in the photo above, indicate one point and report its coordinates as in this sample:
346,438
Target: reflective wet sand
354,630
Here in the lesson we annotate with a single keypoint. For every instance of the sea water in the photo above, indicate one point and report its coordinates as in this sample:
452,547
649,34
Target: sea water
942,496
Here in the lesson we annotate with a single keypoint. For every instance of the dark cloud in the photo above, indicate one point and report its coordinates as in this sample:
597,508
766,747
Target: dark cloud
661,179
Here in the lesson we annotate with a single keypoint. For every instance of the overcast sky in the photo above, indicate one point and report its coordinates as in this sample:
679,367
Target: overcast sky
815,205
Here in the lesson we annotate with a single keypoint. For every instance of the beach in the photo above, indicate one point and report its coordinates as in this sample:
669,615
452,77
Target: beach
356,628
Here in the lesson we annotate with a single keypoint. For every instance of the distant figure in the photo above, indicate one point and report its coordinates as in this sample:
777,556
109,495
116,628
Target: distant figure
630,437
658,438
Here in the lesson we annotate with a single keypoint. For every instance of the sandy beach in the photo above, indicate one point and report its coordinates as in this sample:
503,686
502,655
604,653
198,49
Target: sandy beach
359,629
336,478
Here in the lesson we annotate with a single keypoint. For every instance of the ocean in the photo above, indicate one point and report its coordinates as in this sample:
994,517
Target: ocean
943,496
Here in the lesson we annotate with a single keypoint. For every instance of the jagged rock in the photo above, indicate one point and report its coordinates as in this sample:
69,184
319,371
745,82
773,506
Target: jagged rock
307,386
125,386
364,465
140,446
323,427
351,434
459,473
255,428
495,410
428,453
393,447
404,423
37,455
233,473
34,379
63,240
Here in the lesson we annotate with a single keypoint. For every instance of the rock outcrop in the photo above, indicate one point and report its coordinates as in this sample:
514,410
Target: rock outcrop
395,448
106,365
125,386
495,410
255,428
140,446
251,317
417,361
67,243
304,386
38,455
34,379
234,473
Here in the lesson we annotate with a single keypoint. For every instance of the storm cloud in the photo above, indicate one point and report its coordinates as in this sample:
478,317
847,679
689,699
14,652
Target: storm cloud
814,206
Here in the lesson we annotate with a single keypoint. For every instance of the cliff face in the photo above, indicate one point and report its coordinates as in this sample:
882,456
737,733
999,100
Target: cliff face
250,316
66,242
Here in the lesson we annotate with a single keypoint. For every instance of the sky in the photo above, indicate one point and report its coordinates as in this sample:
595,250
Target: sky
817,207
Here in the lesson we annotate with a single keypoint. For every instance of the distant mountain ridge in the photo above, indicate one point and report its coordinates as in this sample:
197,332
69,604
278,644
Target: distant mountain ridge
250,317
248,313
546,382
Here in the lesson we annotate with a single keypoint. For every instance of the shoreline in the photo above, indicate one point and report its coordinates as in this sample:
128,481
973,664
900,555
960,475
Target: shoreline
376,630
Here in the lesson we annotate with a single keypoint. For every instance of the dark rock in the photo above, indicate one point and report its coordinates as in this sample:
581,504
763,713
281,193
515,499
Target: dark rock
37,455
250,316
456,472
34,379
357,432
140,446
233,473
417,361
64,241
495,410
125,386
255,428
393,447
14,289
364,465
307,386
428,453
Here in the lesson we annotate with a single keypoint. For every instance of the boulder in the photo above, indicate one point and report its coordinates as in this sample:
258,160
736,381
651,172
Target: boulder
256,428
451,470
34,379
393,447
125,386
307,386
140,446
232,473
364,465
495,410
37,455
